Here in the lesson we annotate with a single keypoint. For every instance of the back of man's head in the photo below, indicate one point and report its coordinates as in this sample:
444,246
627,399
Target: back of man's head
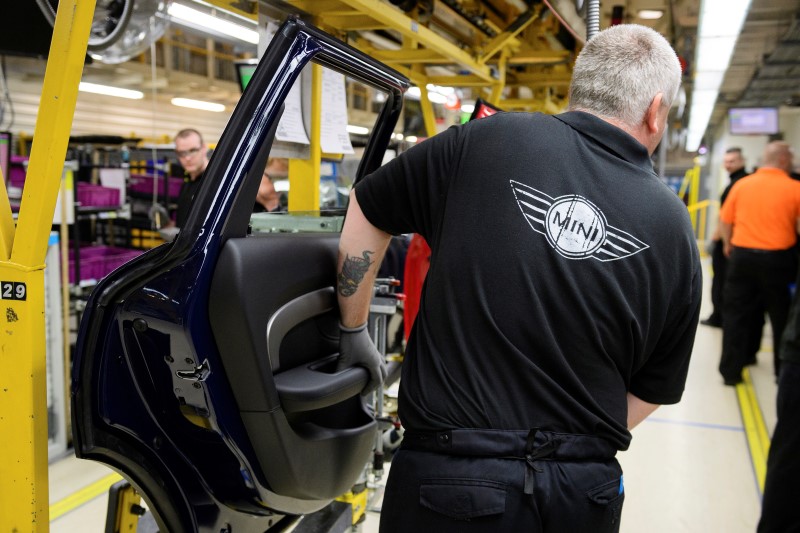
621,70
778,154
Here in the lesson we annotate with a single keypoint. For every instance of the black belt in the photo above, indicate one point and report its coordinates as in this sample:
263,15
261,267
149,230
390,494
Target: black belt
528,445
509,443
759,251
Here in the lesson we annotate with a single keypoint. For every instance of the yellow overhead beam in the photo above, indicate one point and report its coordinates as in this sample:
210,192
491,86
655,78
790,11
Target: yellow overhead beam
532,57
352,21
239,7
410,56
503,39
23,381
317,7
410,28
460,81
541,79
545,105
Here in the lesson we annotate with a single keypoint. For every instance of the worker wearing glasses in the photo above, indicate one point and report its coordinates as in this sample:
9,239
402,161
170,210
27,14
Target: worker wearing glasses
192,155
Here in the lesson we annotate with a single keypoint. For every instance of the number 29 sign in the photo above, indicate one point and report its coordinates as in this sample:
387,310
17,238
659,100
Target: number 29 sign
13,290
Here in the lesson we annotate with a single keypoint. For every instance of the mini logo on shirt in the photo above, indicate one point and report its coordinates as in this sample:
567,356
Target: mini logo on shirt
574,226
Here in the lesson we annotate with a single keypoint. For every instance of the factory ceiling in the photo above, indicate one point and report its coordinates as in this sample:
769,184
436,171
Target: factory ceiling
526,48
517,53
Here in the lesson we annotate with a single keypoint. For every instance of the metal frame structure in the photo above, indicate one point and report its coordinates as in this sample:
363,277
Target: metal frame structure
482,62
23,395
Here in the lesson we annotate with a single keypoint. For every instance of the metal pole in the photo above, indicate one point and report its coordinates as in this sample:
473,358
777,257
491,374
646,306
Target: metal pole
24,497
592,18
304,174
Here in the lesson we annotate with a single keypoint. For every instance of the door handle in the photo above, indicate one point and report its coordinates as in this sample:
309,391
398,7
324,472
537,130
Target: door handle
199,373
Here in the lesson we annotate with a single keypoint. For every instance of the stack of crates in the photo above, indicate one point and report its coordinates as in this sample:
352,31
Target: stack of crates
143,183
97,196
97,261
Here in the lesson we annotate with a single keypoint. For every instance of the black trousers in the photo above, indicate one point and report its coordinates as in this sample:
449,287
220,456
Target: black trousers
780,509
719,264
754,278
485,482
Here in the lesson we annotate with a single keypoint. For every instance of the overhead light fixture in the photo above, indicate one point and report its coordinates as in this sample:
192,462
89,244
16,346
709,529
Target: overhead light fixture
411,139
650,14
358,130
720,24
198,104
201,20
110,91
436,93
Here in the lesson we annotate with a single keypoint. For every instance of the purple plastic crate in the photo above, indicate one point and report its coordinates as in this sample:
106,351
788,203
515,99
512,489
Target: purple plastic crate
119,257
97,196
143,183
92,262
99,261
16,171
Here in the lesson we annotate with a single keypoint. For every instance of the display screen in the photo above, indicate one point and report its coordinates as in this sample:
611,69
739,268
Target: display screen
244,72
753,120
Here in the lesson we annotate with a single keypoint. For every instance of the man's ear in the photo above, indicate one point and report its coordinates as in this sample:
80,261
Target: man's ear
651,117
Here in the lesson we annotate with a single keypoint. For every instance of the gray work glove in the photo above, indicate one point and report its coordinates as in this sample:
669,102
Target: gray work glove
357,349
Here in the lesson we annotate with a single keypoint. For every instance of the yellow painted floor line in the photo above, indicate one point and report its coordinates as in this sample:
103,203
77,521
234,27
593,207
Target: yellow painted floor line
754,427
82,496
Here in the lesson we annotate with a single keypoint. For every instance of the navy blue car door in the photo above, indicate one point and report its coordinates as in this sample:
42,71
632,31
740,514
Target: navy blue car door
204,370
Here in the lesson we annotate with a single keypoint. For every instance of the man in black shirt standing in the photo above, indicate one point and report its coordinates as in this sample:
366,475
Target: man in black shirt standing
192,154
559,309
733,161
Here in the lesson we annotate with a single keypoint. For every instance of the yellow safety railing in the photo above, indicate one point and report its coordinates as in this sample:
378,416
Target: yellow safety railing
690,190
699,215
698,210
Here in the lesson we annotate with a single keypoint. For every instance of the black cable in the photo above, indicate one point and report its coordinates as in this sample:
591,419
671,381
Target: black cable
6,95
3,101
673,28
47,10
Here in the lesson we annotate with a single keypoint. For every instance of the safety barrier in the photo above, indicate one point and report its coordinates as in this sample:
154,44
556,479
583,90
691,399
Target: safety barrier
699,214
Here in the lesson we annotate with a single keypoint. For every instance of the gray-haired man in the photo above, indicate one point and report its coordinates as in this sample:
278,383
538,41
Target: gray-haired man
560,306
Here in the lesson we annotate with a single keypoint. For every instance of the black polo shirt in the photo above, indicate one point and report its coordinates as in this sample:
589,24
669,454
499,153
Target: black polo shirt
563,274
189,189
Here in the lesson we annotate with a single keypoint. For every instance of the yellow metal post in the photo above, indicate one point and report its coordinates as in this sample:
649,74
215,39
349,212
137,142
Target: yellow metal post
304,173
691,184
694,191
497,88
428,117
23,392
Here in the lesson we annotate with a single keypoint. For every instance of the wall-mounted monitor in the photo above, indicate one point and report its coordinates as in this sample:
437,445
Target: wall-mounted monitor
753,120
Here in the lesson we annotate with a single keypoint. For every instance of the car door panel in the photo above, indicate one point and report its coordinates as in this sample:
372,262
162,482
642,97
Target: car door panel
204,370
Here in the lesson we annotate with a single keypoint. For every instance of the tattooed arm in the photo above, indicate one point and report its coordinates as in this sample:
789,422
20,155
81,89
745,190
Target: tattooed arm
361,251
